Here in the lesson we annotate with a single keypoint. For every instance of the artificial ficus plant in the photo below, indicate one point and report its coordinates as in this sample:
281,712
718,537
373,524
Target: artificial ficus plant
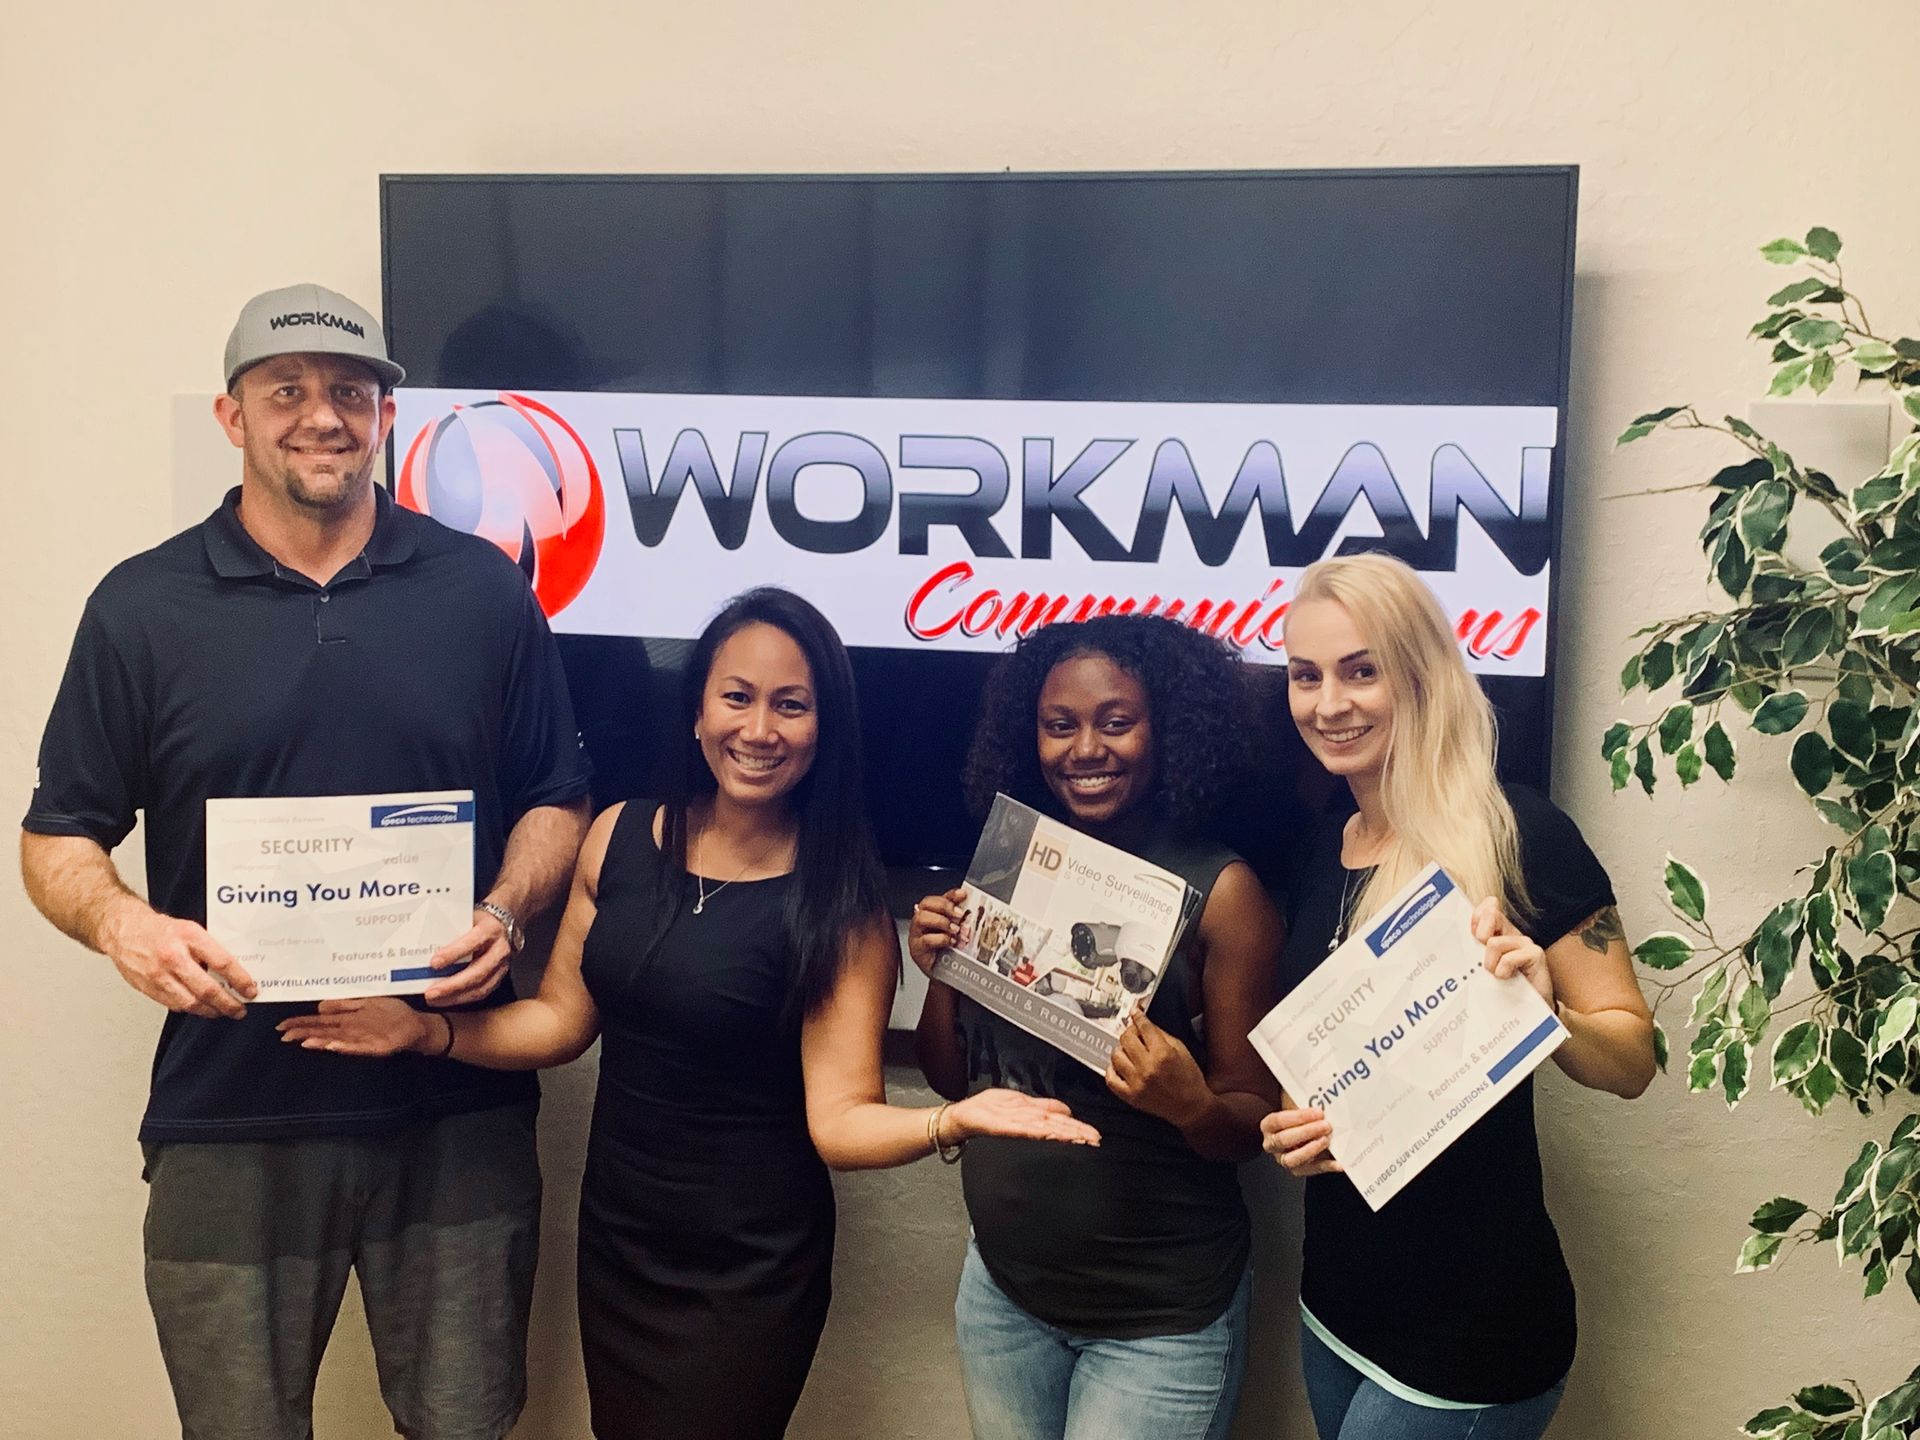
1822,997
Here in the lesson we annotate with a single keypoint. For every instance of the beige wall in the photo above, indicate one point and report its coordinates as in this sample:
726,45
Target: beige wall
165,161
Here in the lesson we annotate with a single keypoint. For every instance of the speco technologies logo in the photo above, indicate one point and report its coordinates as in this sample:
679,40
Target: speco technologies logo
513,472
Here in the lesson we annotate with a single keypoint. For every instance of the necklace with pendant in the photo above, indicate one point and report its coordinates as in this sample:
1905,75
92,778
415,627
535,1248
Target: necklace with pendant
700,881
1348,894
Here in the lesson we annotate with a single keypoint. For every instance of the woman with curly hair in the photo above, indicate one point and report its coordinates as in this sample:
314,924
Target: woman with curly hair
1105,1290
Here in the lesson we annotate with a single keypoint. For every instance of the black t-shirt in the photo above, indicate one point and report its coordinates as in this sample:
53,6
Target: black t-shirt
202,668
1457,1287
1136,1236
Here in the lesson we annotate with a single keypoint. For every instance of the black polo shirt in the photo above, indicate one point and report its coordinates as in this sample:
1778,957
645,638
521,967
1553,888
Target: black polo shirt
204,669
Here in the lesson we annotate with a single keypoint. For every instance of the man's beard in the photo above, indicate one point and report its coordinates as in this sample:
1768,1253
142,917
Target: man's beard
324,494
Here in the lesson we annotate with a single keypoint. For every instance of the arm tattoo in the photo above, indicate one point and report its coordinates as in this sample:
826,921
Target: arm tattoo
1602,929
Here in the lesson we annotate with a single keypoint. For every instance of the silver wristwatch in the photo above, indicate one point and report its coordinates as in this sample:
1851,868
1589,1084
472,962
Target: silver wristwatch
516,937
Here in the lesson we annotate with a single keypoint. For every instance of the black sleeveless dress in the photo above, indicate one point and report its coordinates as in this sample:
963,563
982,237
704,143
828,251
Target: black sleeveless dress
706,1217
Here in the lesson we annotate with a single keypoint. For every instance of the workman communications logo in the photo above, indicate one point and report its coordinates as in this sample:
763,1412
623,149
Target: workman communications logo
511,471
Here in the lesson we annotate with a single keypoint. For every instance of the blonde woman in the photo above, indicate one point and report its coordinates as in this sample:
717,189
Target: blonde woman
1450,1312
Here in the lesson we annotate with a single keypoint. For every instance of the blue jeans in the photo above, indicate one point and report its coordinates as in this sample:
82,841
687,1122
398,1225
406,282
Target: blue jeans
1028,1380
1348,1406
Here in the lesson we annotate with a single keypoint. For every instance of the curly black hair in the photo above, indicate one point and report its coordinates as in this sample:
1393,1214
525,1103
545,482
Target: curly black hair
1202,710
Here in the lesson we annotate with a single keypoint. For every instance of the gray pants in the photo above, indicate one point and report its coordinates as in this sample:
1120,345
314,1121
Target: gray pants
249,1245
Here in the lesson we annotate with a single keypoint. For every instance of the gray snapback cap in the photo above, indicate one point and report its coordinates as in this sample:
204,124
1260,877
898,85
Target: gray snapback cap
308,320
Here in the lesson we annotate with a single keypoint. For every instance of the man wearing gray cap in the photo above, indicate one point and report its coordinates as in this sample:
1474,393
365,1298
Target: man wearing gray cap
311,638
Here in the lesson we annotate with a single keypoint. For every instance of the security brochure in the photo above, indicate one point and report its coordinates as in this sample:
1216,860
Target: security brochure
1404,1037
1061,934
340,895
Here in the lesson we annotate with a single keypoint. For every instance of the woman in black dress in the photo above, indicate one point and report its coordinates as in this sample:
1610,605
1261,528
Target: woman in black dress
732,948
1479,1330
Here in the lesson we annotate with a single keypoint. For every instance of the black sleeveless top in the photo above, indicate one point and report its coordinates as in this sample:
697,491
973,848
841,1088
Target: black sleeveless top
1139,1236
692,1035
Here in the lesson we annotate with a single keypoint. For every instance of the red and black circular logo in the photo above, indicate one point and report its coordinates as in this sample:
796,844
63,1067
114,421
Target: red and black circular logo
513,472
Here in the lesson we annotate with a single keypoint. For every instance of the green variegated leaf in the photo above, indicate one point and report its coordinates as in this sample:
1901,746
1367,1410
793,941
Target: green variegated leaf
1852,728
1810,634
1870,878
1630,674
1660,1049
1823,244
1823,921
1817,1089
1856,1228
1664,950
1620,768
1780,713
1676,728
1615,740
1842,559
1656,666
1712,991
1826,1400
1732,562
1733,1072
1873,356
1763,514
1894,1025
1782,251
1789,294
1777,1216
1758,1253
1813,334
1812,763
1896,1407
1834,813
1873,497
1820,374
1849,1059
1686,890
1686,765
1790,376
1767,1422
1891,1173
1719,751
1854,1183
1643,765
1773,949
1886,602
1796,1052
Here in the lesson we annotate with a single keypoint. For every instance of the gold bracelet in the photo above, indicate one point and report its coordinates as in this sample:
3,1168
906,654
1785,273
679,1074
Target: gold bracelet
949,1154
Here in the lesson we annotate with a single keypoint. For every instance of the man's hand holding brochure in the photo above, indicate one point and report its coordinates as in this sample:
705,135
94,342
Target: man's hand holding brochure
1404,1037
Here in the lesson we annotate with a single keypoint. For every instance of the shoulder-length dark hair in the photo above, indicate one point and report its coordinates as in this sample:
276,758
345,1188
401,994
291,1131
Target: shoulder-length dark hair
837,882
1202,712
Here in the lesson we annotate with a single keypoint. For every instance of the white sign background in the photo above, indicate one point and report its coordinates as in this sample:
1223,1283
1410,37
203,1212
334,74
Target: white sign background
668,591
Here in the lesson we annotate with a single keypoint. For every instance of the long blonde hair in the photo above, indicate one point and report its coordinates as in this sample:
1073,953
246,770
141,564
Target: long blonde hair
1438,786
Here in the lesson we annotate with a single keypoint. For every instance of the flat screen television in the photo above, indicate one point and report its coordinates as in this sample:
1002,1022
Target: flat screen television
950,407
